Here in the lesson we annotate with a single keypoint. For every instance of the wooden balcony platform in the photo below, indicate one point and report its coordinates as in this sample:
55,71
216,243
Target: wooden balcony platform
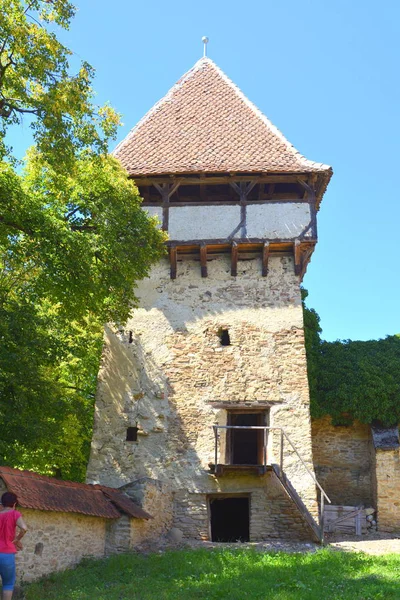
220,470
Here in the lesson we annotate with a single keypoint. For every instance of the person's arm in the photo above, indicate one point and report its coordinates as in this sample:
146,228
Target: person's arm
22,531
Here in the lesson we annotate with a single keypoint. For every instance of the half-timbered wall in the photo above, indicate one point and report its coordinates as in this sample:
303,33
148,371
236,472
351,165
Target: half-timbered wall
285,220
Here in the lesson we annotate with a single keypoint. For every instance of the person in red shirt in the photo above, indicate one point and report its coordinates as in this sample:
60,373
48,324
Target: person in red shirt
10,521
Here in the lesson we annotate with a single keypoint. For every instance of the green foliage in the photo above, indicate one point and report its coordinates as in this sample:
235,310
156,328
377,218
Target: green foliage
73,243
362,379
352,379
234,574
47,382
35,80
72,247
312,338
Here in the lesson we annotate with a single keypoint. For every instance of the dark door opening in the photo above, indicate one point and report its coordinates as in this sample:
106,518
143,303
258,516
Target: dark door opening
230,519
245,443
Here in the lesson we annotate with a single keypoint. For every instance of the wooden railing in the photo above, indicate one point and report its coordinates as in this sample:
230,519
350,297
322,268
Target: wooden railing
280,472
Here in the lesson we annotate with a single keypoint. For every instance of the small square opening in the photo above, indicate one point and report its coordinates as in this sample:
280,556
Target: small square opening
131,434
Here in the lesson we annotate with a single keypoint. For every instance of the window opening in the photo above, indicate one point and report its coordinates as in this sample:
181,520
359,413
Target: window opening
131,434
230,519
245,446
224,338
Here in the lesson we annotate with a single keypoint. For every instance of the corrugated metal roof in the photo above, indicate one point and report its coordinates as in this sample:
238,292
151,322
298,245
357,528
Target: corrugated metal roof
46,493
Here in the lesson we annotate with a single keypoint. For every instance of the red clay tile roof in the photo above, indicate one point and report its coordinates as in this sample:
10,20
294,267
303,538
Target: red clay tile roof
206,124
46,493
123,503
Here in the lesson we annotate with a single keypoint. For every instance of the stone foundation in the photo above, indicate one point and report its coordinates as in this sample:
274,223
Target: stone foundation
272,512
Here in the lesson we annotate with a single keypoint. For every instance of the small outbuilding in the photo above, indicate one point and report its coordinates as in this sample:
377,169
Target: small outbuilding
68,521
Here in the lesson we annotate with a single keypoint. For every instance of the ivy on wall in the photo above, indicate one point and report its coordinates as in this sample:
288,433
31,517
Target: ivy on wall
352,379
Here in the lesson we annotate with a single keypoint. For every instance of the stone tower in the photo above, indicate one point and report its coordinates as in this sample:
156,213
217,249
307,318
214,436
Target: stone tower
205,389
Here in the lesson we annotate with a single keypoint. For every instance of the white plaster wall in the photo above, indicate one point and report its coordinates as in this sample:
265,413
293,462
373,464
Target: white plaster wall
279,221
155,211
202,222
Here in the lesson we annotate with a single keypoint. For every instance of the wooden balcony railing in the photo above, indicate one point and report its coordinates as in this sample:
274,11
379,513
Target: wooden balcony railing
279,468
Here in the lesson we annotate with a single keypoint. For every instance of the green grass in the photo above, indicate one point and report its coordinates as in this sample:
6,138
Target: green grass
228,574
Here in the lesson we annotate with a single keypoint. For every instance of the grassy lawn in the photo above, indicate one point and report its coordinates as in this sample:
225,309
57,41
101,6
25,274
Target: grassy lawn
228,574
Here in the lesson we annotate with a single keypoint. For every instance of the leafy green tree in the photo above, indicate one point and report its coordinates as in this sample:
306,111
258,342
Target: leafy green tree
35,80
73,243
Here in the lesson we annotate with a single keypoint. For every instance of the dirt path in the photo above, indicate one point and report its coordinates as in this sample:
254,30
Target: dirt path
374,543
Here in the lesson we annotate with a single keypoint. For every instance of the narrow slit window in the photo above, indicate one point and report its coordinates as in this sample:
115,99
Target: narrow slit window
224,338
131,434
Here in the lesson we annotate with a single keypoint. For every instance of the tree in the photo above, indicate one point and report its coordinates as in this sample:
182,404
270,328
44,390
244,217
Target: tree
73,243
352,379
35,80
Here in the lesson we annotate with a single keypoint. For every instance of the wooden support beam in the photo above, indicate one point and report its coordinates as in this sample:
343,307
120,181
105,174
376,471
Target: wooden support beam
243,189
203,260
310,192
173,259
234,259
223,179
265,256
166,190
297,257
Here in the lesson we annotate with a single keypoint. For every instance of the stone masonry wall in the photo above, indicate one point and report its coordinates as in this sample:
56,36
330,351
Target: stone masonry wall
118,534
343,458
272,512
56,541
388,489
155,497
167,370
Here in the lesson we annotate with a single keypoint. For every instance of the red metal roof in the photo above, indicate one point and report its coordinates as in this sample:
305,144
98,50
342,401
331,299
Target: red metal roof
46,493
206,124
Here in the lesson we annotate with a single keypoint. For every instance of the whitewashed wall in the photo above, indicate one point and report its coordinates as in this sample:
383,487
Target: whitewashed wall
286,220
277,221
202,222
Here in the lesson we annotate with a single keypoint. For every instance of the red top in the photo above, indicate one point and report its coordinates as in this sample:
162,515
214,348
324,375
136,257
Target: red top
8,521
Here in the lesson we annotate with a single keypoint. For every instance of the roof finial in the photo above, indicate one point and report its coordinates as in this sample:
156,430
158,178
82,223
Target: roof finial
204,39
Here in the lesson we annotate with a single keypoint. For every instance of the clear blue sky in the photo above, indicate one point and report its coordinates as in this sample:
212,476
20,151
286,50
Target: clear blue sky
325,73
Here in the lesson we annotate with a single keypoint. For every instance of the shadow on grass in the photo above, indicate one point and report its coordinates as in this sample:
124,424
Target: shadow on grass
225,574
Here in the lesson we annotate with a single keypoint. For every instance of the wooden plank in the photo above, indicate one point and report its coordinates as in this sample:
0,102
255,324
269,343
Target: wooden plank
210,202
222,179
203,260
297,257
288,243
173,258
243,407
265,256
234,259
